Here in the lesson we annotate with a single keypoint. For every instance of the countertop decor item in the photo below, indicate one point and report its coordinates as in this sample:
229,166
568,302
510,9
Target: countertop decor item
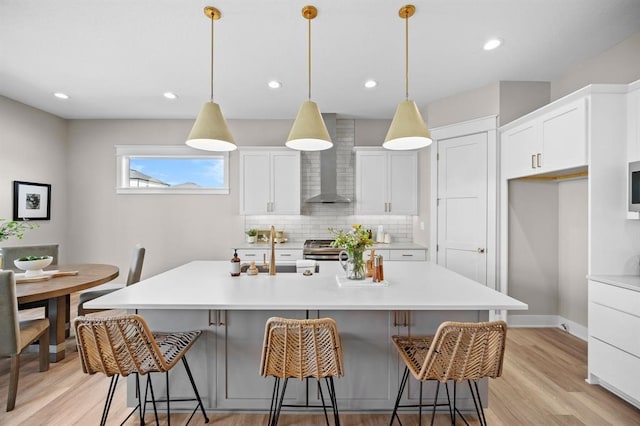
309,133
354,243
407,130
210,131
33,265
252,235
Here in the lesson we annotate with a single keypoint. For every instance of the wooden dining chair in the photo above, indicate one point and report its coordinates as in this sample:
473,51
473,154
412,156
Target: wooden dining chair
135,272
124,345
301,349
459,351
16,335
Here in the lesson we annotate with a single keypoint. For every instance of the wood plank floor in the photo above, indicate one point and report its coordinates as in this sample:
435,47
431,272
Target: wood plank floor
542,384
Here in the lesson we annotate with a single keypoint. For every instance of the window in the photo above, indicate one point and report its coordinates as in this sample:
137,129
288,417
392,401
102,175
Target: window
168,169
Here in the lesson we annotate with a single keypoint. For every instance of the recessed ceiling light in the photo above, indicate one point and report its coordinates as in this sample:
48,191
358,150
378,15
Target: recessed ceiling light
370,84
61,95
274,84
170,95
492,44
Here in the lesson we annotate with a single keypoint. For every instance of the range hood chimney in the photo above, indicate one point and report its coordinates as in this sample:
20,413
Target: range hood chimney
328,169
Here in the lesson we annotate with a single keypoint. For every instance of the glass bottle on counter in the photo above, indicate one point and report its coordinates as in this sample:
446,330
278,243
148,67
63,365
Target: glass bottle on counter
235,264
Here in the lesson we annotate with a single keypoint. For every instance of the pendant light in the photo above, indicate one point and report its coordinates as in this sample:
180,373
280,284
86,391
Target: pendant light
210,131
407,130
309,132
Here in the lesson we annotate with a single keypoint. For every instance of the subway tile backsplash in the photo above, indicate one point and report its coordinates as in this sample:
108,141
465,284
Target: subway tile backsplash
316,218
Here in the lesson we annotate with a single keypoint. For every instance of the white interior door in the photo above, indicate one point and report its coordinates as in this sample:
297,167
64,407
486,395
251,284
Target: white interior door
462,205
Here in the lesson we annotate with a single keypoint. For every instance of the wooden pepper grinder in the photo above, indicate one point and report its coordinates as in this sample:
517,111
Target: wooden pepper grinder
370,263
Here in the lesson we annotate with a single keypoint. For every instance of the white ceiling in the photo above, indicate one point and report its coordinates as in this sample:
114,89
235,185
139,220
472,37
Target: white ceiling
115,58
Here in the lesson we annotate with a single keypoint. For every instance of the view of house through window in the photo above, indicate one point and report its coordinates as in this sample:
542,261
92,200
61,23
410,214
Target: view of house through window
171,169
176,172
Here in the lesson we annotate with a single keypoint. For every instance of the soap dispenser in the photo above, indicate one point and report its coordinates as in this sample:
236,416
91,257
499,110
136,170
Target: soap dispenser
235,264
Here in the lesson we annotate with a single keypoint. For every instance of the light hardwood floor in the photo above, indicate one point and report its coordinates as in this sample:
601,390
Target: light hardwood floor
542,384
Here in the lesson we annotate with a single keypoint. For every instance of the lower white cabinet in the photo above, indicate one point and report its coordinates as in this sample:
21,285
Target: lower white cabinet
614,339
264,255
239,384
399,254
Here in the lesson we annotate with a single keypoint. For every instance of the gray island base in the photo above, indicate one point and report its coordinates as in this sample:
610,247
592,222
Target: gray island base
232,312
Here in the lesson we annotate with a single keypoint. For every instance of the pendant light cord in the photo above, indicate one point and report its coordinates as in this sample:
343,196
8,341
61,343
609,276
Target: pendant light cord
211,98
309,58
406,56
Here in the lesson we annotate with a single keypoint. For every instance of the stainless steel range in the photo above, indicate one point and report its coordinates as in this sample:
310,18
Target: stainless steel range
320,250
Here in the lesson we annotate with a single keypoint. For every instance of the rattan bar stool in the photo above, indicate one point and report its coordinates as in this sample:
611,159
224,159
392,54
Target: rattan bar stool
124,345
458,351
301,349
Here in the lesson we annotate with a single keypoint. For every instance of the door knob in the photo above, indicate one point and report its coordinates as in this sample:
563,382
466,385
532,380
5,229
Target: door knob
480,250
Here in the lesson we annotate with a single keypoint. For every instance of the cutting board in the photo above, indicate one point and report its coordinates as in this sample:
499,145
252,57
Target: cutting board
46,276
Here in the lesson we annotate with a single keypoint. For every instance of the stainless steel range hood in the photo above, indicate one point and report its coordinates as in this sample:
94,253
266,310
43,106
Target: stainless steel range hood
328,169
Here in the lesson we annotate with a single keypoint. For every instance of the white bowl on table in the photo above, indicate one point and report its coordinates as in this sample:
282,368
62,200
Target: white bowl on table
33,268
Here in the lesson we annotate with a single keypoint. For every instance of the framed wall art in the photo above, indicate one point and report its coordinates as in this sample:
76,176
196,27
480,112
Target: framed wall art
31,201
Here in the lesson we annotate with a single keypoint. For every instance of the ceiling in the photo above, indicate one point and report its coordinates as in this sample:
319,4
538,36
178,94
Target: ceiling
115,58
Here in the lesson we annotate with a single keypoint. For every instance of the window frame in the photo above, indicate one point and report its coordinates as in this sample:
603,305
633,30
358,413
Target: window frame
125,152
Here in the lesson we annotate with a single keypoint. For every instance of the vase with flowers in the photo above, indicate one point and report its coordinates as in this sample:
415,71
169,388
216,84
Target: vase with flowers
354,242
13,228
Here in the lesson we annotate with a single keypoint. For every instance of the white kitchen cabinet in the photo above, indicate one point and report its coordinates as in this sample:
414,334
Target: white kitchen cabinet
551,142
386,182
269,181
614,338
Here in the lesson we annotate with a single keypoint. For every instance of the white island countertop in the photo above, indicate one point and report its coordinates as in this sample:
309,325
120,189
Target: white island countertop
208,285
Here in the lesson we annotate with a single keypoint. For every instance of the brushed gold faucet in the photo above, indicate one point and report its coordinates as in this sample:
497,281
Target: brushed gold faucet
272,261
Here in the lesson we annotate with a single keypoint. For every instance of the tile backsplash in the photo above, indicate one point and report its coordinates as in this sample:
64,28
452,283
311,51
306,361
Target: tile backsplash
316,218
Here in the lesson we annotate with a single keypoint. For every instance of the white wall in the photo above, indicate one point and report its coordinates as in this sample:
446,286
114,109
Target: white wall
33,148
572,250
533,246
619,64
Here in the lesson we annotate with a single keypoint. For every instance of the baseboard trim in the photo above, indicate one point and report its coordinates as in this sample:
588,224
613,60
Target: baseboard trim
548,321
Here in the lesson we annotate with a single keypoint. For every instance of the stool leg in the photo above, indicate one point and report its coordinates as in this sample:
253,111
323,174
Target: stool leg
435,401
334,398
420,405
403,383
140,414
195,389
274,398
279,407
446,387
153,398
107,403
324,406
166,375
484,420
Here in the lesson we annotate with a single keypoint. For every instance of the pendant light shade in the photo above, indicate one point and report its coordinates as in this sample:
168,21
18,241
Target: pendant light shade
408,130
210,131
309,133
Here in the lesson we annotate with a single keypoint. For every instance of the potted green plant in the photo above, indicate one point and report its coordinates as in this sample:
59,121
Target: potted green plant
13,228
252,235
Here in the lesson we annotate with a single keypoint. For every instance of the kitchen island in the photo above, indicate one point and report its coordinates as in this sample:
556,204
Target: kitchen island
232,311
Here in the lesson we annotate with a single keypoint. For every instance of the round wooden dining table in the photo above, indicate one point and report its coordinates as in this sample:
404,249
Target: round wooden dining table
56,291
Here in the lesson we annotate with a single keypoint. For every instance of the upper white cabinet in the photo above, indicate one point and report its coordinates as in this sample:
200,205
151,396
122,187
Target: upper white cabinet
556,140
386,182
269,181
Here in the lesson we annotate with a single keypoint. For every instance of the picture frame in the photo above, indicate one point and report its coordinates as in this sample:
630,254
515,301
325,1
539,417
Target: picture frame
31,201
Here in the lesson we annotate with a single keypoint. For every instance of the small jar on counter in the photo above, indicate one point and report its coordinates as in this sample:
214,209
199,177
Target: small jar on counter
378,270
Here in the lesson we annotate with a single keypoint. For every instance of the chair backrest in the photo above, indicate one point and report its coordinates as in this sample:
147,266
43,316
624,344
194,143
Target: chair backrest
117,345
301,348
9,325
465,351
9,254
135,270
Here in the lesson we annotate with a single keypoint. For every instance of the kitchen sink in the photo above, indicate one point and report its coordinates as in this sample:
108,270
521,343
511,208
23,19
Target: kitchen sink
284,268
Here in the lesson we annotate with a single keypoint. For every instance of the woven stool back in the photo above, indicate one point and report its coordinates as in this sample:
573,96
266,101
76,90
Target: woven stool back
119,345
466,351
301,348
